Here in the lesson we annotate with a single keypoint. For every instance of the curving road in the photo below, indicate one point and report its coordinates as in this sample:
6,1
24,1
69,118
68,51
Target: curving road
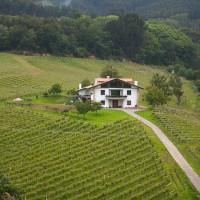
191,174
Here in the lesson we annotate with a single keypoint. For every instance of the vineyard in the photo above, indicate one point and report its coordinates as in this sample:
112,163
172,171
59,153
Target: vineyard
51,157
23,75
183,127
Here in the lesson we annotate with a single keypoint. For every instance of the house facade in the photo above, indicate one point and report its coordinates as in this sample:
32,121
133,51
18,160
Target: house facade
112,92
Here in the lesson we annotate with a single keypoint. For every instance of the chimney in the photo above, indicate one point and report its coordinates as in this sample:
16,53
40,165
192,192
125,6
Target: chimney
136,83
108,76
80,86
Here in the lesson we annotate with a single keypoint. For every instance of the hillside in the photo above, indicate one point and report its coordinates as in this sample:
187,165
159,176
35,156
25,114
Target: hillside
57,156
63,159
146,8
26,75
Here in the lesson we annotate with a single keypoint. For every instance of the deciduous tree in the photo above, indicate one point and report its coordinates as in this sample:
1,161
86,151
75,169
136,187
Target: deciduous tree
55,89
83,108
158,92
177,87
111,71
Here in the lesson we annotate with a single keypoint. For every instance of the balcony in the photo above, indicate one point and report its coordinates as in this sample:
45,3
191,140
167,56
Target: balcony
115,97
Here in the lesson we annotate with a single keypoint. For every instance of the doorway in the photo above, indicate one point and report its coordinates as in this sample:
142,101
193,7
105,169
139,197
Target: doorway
115,103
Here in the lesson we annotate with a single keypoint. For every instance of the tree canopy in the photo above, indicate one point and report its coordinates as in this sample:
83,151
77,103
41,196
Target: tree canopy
7,190
110,71
158,92
55,89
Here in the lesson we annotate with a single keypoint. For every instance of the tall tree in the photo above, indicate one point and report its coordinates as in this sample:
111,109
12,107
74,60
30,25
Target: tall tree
177,87
162,83
158,92
127,34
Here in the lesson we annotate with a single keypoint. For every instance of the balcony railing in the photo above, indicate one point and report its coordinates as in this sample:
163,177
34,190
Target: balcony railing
115,96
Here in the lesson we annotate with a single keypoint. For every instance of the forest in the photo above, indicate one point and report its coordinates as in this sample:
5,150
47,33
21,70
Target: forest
35,8
146,8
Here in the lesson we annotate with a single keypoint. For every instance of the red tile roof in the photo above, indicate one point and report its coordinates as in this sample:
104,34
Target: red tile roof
102,80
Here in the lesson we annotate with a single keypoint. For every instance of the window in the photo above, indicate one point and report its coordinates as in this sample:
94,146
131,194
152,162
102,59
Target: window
102,92
103,102
128,102
128,92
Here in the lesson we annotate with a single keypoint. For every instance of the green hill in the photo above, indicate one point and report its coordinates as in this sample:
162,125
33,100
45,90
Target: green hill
58,158
147,8
28,75
52,156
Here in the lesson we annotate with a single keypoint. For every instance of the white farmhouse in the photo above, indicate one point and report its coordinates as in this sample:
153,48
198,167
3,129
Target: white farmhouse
112,92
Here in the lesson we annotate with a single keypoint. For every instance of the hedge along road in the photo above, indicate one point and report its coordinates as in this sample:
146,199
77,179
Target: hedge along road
191,174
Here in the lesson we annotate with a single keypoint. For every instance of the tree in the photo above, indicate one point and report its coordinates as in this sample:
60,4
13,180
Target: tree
72,92
7,190
162,83
155,97
85,83
55,89
72,96
177,87
159,92
111,71
126,34
83,108
96,106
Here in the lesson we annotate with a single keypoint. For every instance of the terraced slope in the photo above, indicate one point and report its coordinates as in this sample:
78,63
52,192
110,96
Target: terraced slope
27,75
52,157
183,128
21,75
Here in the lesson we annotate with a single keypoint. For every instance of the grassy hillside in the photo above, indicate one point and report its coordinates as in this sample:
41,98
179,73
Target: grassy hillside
27,75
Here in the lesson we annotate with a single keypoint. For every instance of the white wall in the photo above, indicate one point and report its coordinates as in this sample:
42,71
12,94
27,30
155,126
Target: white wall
98,97
96,91
133,97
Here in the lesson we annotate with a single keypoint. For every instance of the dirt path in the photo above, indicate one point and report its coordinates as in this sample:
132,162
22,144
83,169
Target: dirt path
191,174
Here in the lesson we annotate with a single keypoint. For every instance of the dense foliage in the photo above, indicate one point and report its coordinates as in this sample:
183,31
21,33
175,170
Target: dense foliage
147,8
7,190
28,7
158,92
55,89
111,37
110,71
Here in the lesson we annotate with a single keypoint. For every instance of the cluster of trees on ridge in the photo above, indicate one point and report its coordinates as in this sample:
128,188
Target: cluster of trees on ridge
35,8
147,8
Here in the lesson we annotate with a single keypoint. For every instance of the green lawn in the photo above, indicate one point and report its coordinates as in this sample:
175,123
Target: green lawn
103,116
50,99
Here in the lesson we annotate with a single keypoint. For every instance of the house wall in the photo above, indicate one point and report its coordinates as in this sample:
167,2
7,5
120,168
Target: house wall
96,96
133,98
122,102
